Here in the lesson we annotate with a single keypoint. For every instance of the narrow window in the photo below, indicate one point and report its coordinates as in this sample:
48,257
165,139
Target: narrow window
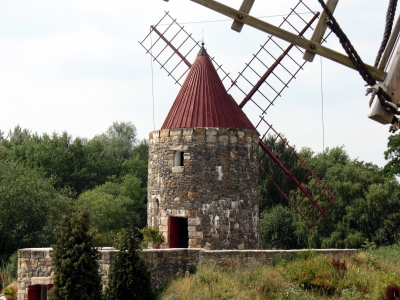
156,205
178,160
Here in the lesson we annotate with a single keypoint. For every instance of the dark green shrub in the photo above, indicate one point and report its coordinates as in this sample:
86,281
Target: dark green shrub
74,261
129,277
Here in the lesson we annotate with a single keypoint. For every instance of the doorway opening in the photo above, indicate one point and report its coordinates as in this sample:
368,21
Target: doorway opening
178,234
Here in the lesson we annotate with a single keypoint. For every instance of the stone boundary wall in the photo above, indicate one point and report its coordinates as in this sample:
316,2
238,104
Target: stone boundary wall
34,267
34,264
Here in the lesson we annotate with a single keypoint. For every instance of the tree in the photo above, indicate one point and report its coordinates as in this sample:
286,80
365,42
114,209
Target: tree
129,277
276,229
389,232
364,196
120,139
392,155
74,261
26,204
125,130
114,205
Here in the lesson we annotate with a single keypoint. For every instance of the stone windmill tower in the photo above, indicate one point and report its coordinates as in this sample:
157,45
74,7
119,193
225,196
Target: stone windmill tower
202,185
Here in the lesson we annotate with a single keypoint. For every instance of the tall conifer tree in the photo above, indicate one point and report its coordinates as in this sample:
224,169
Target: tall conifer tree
74,261
129,277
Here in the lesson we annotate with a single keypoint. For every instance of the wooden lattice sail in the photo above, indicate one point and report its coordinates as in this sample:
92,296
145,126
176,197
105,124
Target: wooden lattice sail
280,62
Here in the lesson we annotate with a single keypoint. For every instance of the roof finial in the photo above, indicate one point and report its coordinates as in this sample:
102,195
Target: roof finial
202,51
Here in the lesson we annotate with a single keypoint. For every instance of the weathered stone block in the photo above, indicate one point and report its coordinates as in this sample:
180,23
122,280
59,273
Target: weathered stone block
233,139
164,133
194,221
175,132
191,228
195,234
200,131
187,131
164,221
193,195
223,138
37,254
178,170
234,154
163,228
223,131
211,138
211,131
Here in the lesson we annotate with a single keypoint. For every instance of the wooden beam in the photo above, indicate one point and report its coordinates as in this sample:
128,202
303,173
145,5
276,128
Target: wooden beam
286,35
319,31
245,8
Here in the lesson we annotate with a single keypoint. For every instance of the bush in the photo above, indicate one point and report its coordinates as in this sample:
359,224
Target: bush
151,235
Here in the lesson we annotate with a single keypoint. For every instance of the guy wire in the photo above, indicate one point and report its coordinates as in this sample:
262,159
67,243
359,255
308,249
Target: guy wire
152,78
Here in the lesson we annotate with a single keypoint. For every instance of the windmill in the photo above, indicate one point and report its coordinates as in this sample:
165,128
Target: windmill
261,83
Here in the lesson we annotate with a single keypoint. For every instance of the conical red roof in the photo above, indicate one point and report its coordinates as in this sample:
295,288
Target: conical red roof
203,101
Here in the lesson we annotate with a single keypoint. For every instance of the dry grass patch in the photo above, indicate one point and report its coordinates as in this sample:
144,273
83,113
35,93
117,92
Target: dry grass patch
362,276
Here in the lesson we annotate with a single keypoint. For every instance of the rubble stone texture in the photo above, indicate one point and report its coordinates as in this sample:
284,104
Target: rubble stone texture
215,189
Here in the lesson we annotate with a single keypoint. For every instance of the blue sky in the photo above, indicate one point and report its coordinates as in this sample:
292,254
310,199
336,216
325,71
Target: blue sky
77,66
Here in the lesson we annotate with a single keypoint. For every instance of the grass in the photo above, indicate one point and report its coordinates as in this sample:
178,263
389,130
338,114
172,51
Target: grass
366,275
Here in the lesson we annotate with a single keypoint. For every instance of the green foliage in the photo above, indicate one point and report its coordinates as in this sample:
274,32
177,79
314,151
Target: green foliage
128,278
276,229
12,266
26,201
389,232
151,235
76,164
269,195
389,254
119,140
9,270
74,261
42,175
10,290
113,206
392,154
365,196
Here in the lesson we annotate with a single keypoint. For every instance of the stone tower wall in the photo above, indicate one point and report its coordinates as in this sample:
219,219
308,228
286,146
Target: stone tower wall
216,188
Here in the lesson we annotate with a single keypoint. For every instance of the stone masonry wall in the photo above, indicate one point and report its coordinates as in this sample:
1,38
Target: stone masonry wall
215,189
34,264
34,267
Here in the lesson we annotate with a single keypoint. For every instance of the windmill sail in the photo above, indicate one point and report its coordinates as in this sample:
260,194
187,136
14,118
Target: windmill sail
261,82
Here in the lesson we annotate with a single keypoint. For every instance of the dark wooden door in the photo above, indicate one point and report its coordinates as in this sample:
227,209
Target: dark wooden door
173,232
178,235
34,292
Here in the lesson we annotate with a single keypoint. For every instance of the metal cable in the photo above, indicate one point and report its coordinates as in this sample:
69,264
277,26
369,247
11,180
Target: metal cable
152,79
322,108
391,11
